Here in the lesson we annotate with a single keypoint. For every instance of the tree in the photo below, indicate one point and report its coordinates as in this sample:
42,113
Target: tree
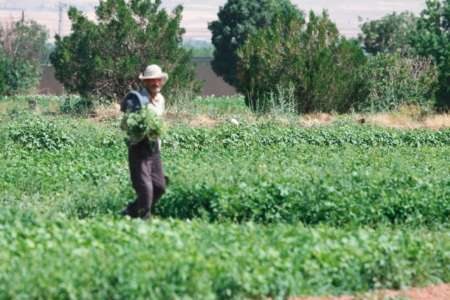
23,45
237,20
432,39
389,34
311,59
394,80
103,58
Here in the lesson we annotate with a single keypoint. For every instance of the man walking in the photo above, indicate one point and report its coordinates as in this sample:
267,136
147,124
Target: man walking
144,159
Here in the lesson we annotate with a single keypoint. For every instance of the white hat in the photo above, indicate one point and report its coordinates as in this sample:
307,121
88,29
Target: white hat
153,72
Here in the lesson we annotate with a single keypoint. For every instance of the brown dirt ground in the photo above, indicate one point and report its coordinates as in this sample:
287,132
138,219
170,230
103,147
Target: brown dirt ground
435,122
103,113
436,292
315,119
391,120
203,121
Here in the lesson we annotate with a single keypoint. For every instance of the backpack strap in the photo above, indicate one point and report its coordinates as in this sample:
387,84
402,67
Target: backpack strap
134,101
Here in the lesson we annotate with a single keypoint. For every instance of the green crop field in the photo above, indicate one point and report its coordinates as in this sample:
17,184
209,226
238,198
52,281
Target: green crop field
255,210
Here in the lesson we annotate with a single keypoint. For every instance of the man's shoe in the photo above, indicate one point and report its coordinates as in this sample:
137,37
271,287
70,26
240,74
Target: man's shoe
130,211
144,213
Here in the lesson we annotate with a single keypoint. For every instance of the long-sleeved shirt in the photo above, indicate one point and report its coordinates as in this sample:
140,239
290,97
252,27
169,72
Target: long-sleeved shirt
157,105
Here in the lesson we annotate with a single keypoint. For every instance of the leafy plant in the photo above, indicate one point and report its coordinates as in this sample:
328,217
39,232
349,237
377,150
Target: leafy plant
117,259
142,124
39,134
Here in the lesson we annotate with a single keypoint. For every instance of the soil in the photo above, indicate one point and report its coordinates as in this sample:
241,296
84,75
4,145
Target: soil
436,292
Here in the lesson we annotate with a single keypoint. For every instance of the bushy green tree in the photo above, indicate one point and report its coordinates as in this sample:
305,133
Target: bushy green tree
237,20
3,67
389,34
311,59
432,39
23,46
103,58
393,80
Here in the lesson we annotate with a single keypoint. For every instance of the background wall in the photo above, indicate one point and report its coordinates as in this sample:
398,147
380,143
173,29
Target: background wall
213,85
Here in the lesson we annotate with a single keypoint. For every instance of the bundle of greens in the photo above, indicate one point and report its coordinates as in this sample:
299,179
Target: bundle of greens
141,124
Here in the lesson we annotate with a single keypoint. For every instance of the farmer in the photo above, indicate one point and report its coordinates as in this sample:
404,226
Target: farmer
144,159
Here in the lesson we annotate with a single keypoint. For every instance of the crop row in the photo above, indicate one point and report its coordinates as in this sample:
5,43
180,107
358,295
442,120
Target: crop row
43,133
267,134
118,259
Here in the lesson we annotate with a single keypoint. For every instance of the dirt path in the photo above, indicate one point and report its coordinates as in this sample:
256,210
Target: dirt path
438,292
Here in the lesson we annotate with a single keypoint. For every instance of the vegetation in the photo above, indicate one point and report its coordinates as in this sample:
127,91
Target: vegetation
237,20
393,80
390,34
118,259
23,46
258,206
395,182
102,58
319,68
432,39
264,209
141,124
199,48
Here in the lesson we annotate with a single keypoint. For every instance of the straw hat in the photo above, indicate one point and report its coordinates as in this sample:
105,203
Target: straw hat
153,72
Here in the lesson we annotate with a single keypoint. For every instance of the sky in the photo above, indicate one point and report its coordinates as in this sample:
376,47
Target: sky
197,13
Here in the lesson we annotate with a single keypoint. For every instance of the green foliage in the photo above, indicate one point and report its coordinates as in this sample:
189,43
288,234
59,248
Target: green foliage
4,65
142,124
202,52
273,134
199,48
237,20
117,259
334,185
349,174
390,34
22,48
432,39
385,192
103,58
393,81
76,105
34,133
312,60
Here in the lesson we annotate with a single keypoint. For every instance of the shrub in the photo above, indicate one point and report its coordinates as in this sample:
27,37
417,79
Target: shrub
312,59
76,105
432,39
390,34
237,20
23,45
103,58
393,81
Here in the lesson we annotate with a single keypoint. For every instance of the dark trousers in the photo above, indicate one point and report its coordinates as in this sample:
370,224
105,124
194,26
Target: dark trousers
147,177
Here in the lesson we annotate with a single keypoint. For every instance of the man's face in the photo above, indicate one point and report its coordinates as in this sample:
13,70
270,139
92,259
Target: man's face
153,85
